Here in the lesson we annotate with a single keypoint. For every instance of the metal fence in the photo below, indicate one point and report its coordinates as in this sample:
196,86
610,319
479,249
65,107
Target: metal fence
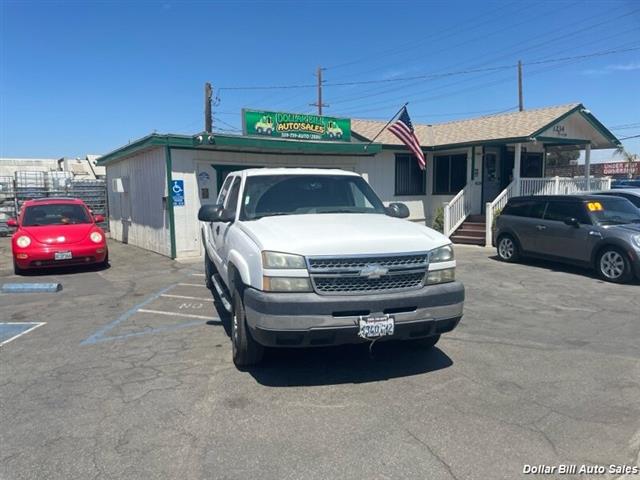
27,185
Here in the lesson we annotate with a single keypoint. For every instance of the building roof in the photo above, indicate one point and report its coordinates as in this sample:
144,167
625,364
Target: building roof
514,126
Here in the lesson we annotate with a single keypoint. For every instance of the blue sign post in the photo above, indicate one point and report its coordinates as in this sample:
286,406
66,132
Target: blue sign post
177,193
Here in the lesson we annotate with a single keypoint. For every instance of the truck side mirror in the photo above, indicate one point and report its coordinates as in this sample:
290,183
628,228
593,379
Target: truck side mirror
397,210
209,213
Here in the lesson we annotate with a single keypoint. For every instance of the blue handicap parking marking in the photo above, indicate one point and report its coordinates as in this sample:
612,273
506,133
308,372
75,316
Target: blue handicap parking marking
11,330
109,332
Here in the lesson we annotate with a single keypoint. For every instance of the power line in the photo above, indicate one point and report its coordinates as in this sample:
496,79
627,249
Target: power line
429,75
632,136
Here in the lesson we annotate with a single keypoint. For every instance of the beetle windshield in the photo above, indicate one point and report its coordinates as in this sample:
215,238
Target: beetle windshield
55,214
613,211
270,195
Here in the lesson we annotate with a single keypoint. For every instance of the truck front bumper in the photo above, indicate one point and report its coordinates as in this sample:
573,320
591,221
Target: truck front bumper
309,319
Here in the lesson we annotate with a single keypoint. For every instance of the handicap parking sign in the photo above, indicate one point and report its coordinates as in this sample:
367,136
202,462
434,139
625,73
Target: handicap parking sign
177,192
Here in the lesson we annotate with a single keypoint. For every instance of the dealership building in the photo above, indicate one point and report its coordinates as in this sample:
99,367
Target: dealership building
157,184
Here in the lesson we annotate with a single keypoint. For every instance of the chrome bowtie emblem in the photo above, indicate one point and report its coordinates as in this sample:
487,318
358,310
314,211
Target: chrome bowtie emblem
373,271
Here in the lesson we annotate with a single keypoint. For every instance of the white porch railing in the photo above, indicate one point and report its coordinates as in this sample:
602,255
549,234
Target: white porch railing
540,186
456,210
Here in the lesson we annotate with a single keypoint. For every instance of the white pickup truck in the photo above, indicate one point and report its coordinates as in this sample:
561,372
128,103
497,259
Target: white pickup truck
312,257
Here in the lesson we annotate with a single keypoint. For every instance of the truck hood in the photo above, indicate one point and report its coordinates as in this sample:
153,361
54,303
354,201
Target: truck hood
341,234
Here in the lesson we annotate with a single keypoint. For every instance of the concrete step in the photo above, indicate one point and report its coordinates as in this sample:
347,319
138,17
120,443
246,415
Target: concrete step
466,240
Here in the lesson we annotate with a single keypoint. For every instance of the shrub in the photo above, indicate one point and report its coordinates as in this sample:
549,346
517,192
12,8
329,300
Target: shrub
438,220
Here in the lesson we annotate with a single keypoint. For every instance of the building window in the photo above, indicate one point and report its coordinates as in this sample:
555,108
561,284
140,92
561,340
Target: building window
410,179
450,174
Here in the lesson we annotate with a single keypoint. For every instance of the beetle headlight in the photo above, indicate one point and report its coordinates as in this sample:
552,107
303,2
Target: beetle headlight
23,241
96,237
286,284
442,254
282,260
636,240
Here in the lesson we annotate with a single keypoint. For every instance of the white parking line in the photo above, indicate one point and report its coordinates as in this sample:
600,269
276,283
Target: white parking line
187,297
192,285
189,315
35,325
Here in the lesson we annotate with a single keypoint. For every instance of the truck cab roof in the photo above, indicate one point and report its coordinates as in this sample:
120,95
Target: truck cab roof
252,172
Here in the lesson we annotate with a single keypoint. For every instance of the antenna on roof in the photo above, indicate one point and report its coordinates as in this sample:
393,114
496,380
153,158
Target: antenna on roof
520,99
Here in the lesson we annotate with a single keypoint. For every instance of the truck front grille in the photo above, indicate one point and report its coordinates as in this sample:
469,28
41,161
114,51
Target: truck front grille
352,275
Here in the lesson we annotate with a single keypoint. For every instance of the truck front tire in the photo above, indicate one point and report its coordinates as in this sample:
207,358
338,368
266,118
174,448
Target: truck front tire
209,270
246,351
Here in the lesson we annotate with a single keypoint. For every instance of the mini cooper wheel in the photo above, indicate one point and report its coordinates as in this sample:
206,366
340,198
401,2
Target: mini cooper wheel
508,249
246,351
613,265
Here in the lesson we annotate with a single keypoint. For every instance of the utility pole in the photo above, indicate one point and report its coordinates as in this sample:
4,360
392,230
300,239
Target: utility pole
520,100
208,118
319,103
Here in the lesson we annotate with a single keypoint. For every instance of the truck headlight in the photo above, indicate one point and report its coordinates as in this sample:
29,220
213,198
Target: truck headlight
282,260
286,284
441,276
636,240
442,254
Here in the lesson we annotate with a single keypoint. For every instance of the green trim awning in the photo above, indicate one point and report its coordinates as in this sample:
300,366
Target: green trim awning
244,143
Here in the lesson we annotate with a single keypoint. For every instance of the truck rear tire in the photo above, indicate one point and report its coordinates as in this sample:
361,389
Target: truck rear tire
246,351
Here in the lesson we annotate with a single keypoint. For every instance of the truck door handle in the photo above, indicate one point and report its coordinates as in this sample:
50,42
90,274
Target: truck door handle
218,230
541,227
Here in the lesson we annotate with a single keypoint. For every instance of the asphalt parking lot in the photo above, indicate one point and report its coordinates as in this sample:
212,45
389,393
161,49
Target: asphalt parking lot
129,375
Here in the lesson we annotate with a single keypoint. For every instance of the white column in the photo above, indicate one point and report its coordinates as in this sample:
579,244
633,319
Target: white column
516,167
587,165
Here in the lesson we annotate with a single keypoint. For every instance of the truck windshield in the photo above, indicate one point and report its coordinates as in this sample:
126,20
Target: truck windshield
55,214
270,195
614,211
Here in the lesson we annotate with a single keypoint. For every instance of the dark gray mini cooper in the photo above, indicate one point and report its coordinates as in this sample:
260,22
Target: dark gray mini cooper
600,232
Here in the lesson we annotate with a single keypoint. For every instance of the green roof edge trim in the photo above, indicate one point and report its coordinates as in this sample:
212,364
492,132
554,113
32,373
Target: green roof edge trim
239,142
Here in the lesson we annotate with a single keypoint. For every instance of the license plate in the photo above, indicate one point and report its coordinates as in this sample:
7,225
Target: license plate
376,327
62,256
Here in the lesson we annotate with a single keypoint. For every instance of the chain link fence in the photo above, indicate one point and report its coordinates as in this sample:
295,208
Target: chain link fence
27,185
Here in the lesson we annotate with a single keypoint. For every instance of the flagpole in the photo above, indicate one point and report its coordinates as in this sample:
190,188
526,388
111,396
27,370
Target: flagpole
382,129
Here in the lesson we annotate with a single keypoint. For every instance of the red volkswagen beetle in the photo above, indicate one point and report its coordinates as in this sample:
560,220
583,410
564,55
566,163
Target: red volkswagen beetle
54,232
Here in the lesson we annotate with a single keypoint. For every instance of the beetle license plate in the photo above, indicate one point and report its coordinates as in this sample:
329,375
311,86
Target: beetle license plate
376,327
62,256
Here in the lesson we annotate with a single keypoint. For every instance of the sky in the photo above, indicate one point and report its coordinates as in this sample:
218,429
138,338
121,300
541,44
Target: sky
81,78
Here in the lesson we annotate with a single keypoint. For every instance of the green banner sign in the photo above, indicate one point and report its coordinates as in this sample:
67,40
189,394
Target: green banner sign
298,126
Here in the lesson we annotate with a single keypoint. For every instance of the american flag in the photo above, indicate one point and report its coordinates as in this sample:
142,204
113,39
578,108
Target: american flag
403,129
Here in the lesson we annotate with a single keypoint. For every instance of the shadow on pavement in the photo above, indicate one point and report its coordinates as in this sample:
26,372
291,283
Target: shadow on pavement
553,266
289,367
346,364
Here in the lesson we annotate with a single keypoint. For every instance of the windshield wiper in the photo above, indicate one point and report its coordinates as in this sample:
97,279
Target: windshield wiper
274,214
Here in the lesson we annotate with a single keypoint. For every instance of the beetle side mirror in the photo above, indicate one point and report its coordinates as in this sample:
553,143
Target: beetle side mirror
397,210
98,218
12,222
572,222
